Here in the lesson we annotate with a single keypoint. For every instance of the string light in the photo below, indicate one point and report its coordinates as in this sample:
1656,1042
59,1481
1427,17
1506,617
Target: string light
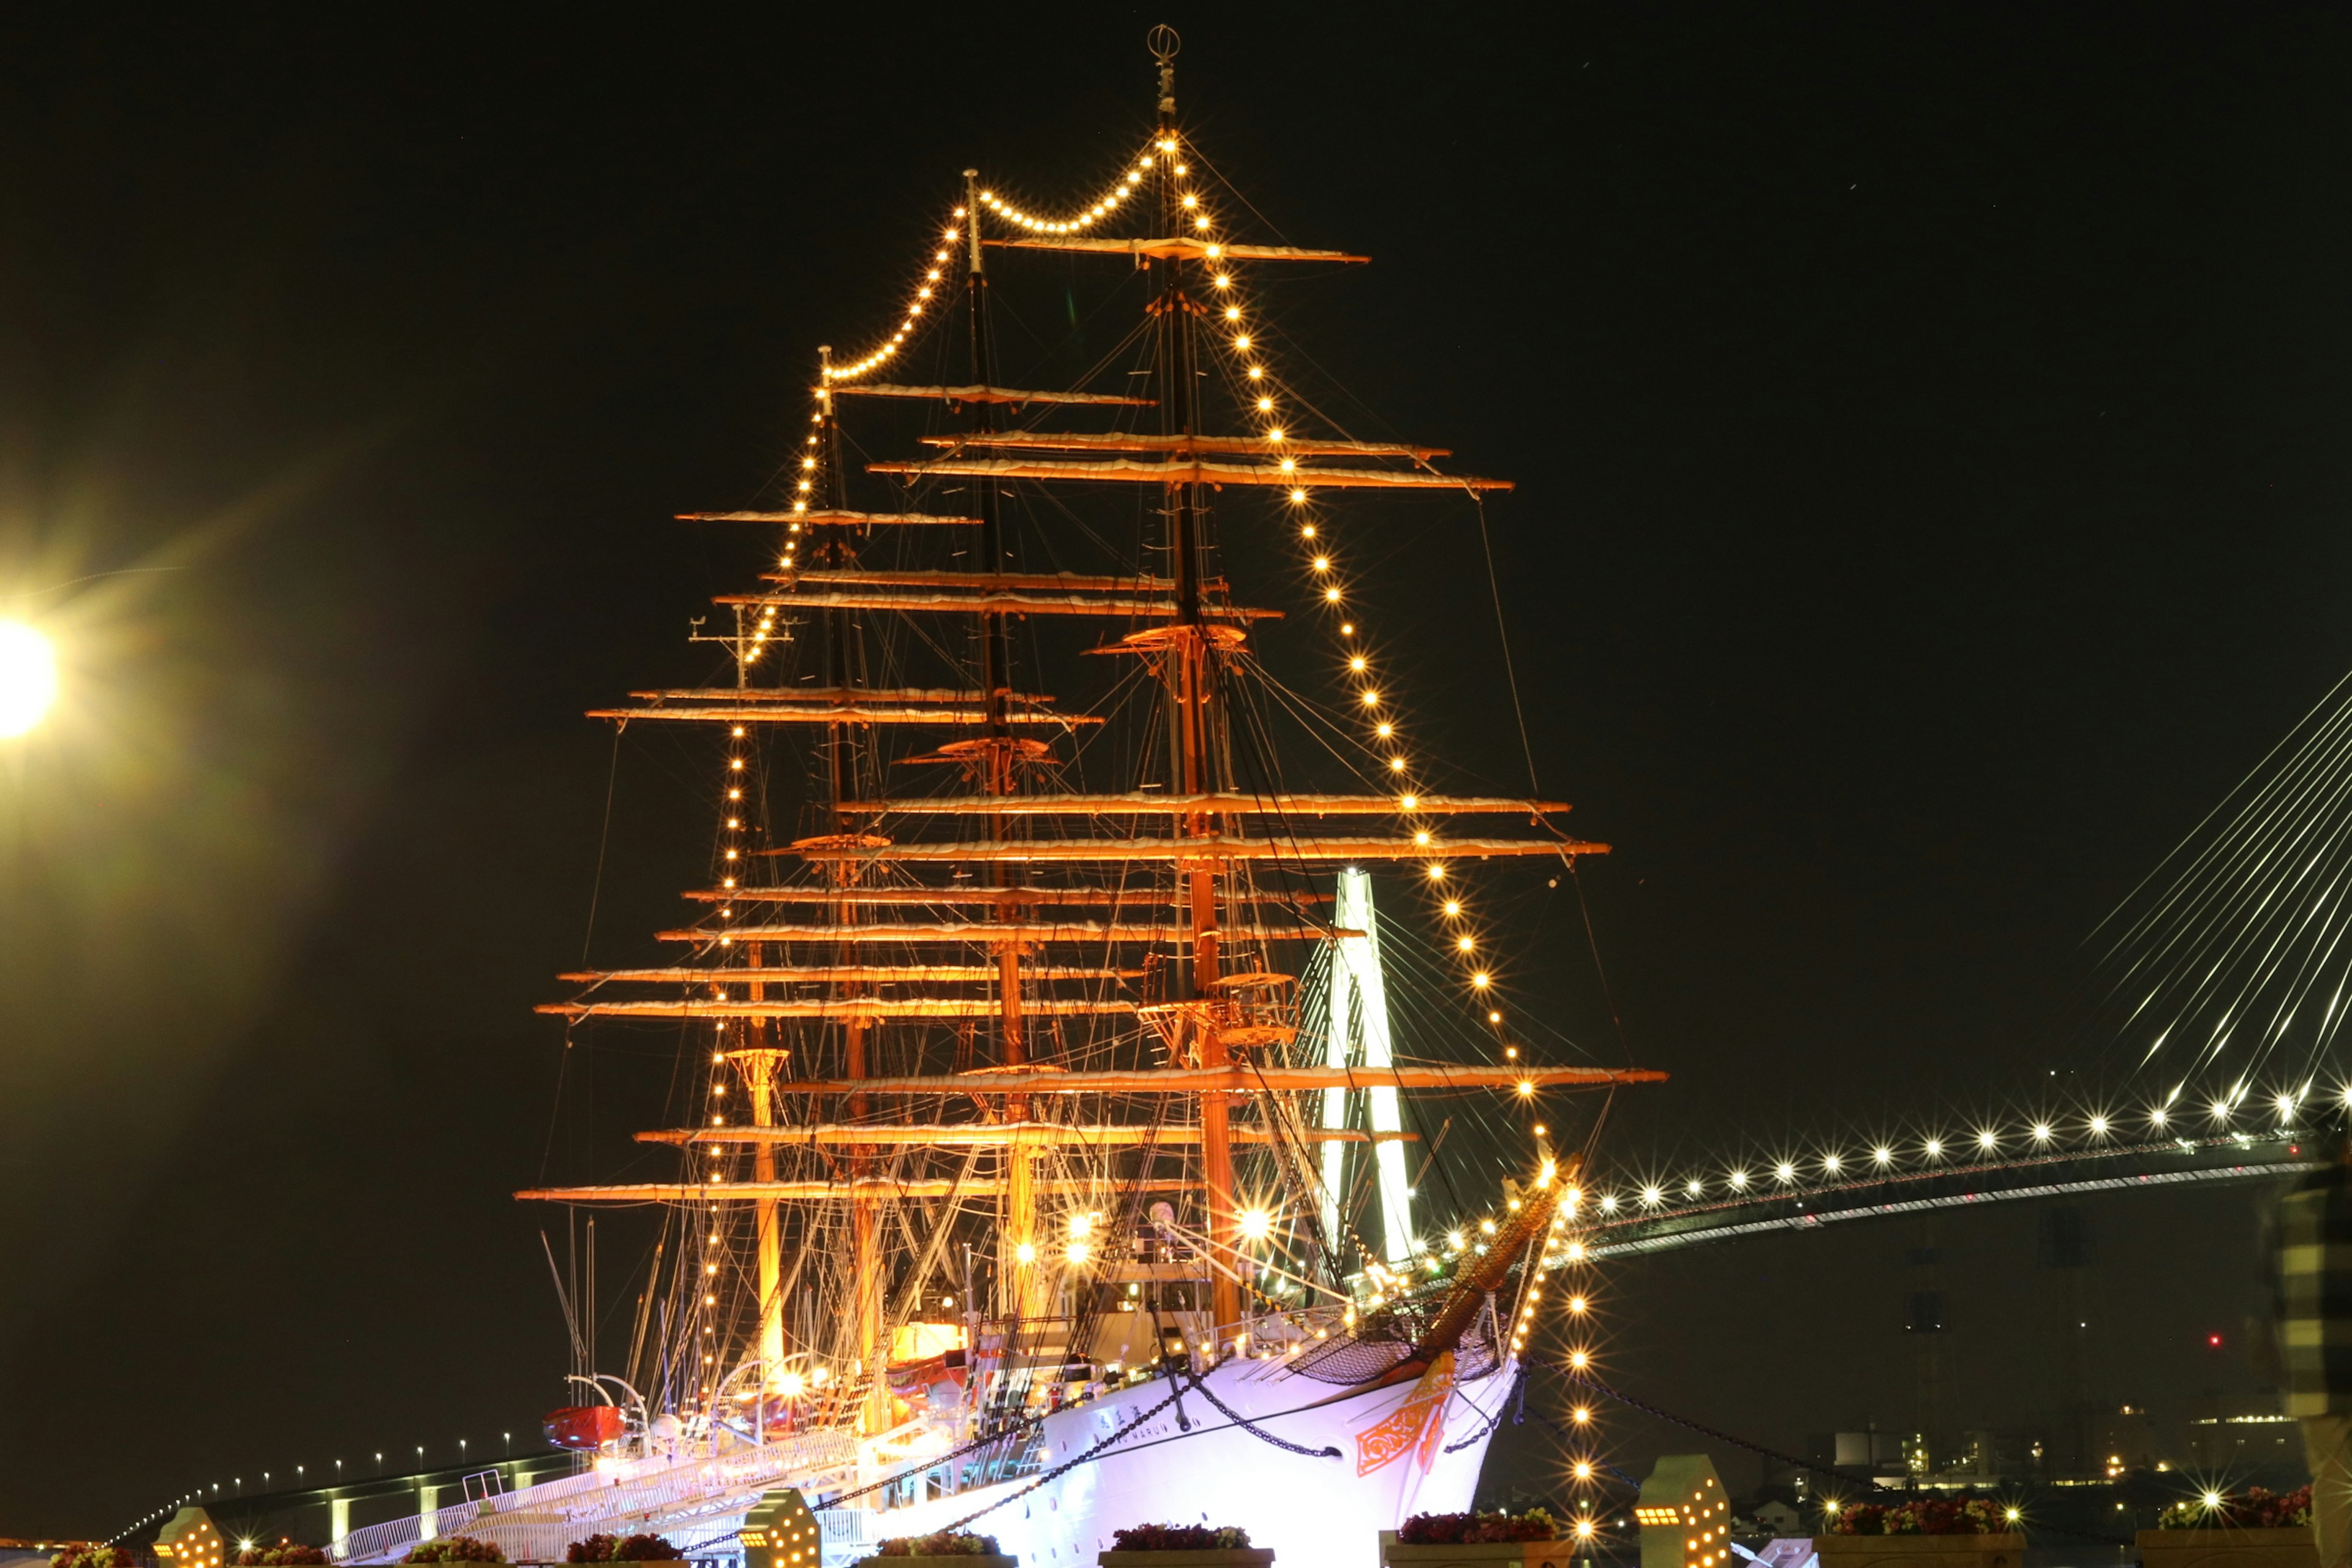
888,350
1130,179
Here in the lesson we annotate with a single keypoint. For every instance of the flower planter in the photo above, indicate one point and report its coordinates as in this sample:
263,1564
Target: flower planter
2287,1548
1395,1554
1204,1557
961,1560
1923,1550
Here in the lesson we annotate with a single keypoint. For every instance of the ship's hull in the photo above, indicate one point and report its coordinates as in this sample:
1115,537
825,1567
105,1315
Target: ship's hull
1414,1447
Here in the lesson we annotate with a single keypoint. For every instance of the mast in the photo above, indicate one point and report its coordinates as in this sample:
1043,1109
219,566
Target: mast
1018,1262
1191,694
842,669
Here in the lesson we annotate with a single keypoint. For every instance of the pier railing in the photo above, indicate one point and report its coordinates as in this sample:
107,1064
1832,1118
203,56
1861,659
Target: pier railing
691,1500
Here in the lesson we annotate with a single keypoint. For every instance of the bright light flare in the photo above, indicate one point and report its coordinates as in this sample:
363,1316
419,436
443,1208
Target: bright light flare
28,678
1256,1225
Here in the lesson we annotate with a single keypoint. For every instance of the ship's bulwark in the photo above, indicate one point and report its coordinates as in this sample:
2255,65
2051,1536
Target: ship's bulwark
1315,1513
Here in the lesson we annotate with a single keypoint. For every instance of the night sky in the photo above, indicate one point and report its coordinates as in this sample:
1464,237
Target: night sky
1930,428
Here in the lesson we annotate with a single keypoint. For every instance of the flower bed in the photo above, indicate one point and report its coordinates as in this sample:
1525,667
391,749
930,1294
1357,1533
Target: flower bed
1531,1539
1919,1548
945,1544
1924,1516
285,1554
600,1547
94,1557
948,1548
1183,1546
455,1549
1454,1529
2256,1507
2257,1528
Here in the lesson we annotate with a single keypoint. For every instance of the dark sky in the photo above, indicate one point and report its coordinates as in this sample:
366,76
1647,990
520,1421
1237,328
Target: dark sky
1930,424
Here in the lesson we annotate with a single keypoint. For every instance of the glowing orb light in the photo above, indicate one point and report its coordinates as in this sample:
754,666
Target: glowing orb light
28,678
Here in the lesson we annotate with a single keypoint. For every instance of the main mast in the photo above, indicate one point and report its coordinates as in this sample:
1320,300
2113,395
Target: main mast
1191,696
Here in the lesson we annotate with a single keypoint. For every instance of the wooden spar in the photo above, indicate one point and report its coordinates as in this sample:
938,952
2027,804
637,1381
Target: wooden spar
831,515
869,1188
1239,1079
985,930
1122,441
836,714
854,1008
1115,896
834,972
1211,847
993,1134
1178,248
1000,604
1151,802
985,395
1071,581
1127,470
821,694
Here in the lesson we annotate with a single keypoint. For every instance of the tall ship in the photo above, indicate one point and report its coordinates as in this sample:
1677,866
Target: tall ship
1046,1154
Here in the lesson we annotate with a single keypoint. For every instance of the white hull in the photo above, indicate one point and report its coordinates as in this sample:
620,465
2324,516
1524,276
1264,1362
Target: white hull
1310,1511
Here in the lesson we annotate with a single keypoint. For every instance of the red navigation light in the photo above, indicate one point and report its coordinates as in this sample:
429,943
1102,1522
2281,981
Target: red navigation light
2213,1341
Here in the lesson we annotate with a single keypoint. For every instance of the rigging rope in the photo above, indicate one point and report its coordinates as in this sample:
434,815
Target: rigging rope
1503,634
603,838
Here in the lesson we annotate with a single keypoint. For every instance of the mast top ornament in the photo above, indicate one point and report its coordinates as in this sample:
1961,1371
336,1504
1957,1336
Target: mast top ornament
1163,44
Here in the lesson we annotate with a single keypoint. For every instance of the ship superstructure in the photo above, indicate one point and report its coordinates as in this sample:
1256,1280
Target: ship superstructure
1046,1074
